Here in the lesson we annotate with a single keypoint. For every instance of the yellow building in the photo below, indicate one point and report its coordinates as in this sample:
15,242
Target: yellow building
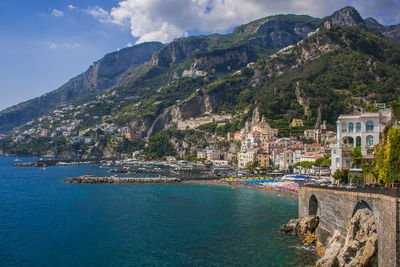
297,122
263,160
237,136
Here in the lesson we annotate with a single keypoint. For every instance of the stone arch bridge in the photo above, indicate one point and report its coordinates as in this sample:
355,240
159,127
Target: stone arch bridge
336,206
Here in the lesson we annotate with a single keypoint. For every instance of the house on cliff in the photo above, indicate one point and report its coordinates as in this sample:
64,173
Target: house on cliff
362,130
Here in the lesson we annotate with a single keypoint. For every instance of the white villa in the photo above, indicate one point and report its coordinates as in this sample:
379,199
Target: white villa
246,157
362,130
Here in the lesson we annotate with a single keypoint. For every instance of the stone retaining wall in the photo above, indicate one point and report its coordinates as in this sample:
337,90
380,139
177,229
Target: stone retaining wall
337,207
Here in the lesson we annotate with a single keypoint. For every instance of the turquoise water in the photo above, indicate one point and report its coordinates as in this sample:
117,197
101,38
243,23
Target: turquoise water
46,222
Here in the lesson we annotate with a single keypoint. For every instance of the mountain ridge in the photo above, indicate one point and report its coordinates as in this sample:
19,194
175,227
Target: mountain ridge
247,43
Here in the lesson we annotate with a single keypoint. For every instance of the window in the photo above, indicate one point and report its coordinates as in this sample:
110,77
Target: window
369,141
344,128
351,127
370,126
358,141
358,127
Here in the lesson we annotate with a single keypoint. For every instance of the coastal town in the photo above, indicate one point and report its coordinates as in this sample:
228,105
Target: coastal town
298,166
274,144
258,147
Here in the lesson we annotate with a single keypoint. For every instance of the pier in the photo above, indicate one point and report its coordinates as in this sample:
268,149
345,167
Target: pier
133,171
90,179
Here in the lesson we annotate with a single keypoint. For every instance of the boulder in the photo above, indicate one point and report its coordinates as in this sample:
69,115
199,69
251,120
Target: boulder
305,228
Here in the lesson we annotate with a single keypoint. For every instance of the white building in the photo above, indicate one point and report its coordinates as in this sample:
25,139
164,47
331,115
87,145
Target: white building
286,159
245,157
310,157
362,130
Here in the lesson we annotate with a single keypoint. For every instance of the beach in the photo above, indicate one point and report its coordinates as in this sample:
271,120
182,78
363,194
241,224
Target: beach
287,188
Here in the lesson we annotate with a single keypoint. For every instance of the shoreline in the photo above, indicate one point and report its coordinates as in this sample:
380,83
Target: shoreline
259,187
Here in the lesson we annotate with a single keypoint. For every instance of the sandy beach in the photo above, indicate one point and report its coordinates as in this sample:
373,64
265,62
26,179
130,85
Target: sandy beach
288,189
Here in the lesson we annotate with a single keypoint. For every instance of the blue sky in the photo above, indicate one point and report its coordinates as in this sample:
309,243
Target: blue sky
45,43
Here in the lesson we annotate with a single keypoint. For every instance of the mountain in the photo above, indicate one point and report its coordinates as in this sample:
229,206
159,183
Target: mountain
335,71
222,53
286,66
109,71
347,16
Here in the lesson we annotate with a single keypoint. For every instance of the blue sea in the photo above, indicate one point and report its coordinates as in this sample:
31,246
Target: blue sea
47,222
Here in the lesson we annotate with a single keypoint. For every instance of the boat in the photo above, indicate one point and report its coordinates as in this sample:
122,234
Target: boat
17,160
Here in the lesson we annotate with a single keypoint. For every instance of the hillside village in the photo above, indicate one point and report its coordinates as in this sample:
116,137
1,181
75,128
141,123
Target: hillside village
258,146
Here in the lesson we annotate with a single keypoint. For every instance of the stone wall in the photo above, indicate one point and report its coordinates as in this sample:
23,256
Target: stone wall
337,206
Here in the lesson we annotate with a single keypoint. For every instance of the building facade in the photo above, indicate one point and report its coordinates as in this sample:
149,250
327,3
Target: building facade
363,130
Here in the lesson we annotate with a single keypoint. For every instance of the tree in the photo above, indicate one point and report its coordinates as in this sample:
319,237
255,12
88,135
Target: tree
251,166
304,164
387,157
159,146
325,161
342,176
357,158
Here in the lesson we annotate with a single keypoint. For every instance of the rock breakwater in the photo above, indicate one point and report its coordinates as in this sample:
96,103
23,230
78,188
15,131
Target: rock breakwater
90,179
305,228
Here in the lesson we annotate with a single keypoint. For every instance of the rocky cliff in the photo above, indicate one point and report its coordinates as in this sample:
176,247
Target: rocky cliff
192,107
280,30
391,32
347,16
225,59
178,50
304,228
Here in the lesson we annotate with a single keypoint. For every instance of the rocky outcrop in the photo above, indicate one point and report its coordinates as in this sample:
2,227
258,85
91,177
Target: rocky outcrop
347,16
103,73
141,126
189,108
178,50
360,247
307,51
391,32
281,34
305,228
280,30
225,59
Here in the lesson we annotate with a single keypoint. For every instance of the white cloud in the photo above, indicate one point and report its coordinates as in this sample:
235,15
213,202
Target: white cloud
71,7
161,20
57,13
55,46
100,14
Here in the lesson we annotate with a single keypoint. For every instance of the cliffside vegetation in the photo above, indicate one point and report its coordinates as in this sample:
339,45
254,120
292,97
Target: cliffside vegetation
387,158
